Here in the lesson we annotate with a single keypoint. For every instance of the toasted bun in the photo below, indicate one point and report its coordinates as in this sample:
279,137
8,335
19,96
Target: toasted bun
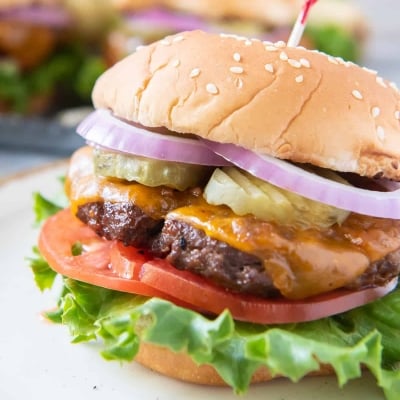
181,366
290,103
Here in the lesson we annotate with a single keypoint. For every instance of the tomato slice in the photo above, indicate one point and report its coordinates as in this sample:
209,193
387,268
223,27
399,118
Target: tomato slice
112,265
195,290
61,231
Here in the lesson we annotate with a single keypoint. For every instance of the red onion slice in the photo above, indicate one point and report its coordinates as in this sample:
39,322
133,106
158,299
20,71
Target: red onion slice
288,176
103,129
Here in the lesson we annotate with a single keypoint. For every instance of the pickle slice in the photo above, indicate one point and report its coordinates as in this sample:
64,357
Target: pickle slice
149,171
246,194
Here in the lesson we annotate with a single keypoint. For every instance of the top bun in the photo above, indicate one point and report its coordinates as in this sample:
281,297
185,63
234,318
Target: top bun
287,102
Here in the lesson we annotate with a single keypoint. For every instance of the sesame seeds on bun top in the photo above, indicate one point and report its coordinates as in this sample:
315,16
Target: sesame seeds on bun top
290,103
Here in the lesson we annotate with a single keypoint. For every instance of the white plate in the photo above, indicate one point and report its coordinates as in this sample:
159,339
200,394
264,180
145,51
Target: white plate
38,361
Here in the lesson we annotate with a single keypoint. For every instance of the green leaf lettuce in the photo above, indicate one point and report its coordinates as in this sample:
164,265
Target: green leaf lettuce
364,337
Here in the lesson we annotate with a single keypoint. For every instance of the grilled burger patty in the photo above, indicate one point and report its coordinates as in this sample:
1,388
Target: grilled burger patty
120,221
185,247
189,248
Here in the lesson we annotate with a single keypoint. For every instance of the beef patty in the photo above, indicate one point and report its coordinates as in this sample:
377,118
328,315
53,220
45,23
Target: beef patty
188,248
120,221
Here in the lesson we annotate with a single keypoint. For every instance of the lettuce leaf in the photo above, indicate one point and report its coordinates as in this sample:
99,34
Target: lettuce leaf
365,337
43,208
43,274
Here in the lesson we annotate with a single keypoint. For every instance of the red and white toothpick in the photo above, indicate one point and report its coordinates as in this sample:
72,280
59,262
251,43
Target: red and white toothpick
300,24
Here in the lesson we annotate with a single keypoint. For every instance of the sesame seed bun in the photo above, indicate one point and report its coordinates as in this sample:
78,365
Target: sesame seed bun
290,103
181,366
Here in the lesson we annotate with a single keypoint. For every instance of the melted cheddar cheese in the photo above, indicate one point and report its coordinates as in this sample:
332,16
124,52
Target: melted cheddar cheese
301,263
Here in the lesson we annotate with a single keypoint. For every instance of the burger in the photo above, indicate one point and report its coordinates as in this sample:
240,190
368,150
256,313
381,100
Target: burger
335,27
234,216
50,53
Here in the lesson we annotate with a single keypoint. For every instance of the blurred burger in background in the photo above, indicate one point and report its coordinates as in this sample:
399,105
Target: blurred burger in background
50,52
336,27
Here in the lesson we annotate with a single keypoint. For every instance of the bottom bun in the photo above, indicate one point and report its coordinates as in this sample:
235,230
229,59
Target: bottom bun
181,366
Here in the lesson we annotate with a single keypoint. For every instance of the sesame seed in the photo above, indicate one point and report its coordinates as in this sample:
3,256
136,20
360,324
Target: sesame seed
305,63
380,81
178,38
294,63
332,60
229,35
380,132
237,57
283,56
393,86
194,72
165,42
340,60
271,48
248,42
212,88
175,63
236,70
299,78
280,44
357,94
369,70
375,111
239,83
397,114
269,68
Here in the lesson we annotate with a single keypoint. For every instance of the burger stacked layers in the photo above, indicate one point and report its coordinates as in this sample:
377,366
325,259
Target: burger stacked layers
236,205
